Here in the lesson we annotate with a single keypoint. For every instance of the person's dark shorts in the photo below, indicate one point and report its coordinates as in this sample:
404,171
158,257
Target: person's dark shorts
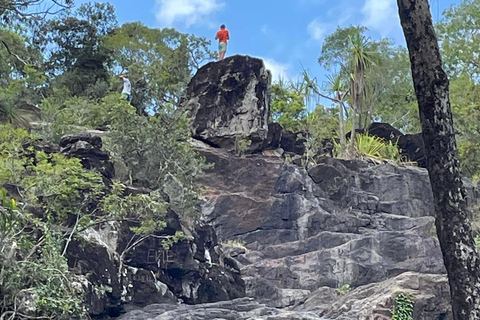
127,96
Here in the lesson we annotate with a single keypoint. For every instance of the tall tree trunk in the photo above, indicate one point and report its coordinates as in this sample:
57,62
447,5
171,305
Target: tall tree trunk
351,146
452,215
340,123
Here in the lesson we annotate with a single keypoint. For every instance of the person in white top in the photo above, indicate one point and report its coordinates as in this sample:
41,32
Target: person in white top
127,87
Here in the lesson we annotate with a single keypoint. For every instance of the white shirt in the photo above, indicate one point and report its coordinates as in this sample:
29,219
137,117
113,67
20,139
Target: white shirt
127,87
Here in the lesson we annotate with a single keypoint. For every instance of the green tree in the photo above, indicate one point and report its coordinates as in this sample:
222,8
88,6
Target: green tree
287,107
153,152
458,33
390,89
23,10
77,58
465,96
160,62
362,58
337,87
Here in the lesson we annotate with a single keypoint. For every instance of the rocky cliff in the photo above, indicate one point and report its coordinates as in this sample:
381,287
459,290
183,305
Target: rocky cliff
191,271
294,239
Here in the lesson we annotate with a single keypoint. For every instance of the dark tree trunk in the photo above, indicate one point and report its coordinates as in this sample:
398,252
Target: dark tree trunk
452,215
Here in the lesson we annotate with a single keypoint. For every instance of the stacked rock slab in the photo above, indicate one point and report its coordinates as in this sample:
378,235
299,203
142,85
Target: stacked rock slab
228,101
341,222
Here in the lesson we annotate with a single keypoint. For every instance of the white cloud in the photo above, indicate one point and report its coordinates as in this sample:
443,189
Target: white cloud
188,12
316,30
380,15
279,70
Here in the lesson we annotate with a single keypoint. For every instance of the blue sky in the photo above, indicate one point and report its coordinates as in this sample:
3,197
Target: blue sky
285,33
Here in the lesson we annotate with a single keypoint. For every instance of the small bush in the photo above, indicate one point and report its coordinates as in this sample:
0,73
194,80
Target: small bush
375,148
403,307
343,290
241,145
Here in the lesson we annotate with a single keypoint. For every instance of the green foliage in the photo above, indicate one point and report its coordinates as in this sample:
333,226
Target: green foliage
343,290
62,186
12,159
153,152
403,307
390,93
34,278
148,211
335,47
25,11
323,122
458,34
18,98
77,55
67,114
465,94
241,145
287,107
159,62
375,148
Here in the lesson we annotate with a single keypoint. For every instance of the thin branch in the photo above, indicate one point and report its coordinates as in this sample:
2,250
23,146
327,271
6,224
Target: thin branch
13,54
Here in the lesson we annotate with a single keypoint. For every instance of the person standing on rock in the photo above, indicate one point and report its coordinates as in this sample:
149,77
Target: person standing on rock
222,36
127,87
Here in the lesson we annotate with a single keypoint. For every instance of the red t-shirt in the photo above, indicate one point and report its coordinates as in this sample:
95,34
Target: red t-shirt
223,35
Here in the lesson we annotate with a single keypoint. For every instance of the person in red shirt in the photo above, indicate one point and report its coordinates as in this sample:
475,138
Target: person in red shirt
222,36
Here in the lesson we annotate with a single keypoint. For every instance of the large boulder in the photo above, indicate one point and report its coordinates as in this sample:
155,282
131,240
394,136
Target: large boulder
229,100
410,145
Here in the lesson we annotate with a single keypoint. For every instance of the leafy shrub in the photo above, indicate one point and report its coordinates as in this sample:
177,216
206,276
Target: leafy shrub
61,186
153,152
12,159
34,278
65,114
241,145
403,307
375,148
343,290
148,211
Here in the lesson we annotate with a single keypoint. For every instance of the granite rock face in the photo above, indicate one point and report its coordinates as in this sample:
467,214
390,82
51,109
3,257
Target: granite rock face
342,222
229,100
370,302
192,271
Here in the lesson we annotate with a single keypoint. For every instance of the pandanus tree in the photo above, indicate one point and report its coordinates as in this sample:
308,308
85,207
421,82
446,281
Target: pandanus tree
361,60
337,87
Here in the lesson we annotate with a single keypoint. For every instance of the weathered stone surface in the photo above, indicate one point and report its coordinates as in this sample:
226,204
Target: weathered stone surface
375,301
385,131
359,224
230,99
430,292
88,148
193,270
412,145
239,309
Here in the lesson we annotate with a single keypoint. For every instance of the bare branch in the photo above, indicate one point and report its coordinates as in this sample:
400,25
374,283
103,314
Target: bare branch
13,54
